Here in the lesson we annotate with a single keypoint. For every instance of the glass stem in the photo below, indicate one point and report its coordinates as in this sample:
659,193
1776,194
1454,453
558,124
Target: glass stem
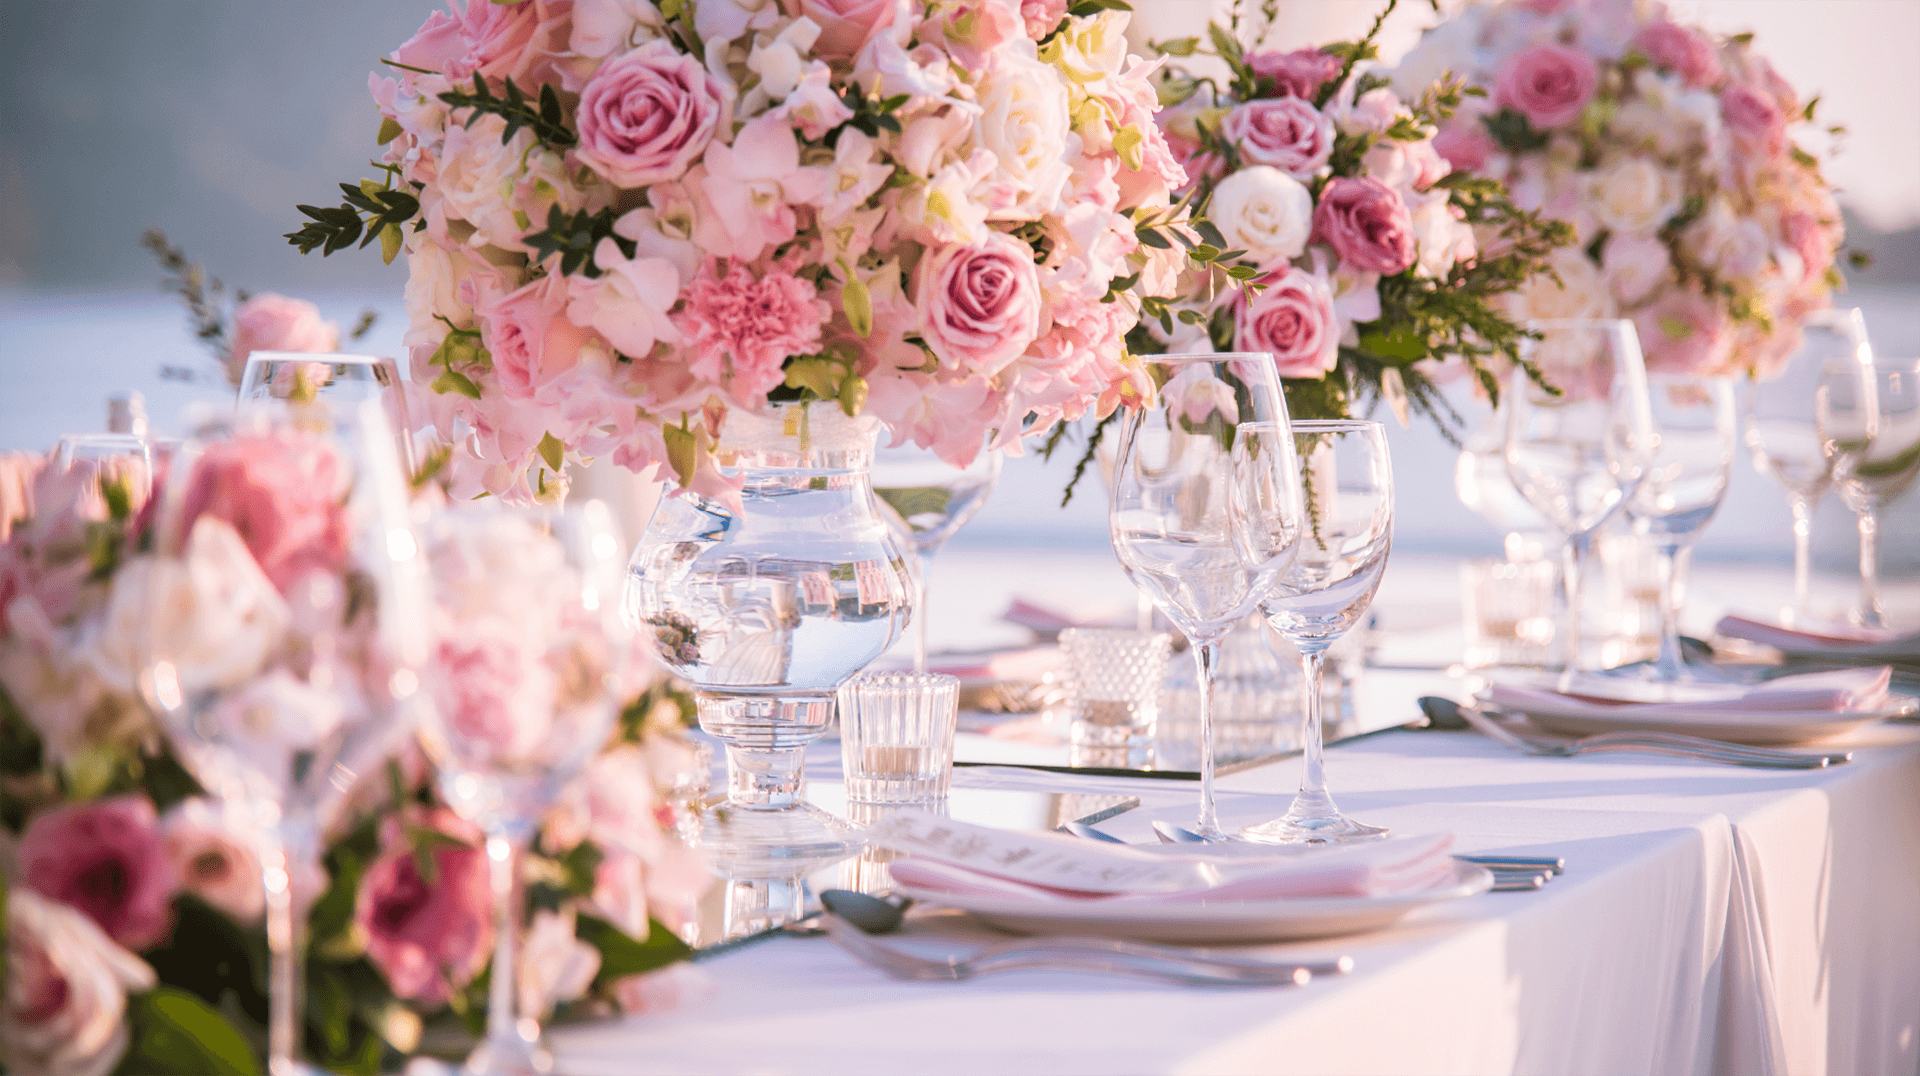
290,842
1573,556
1206,657
924,562
502,1022
1802,557
1313,780
1870,614
1669,667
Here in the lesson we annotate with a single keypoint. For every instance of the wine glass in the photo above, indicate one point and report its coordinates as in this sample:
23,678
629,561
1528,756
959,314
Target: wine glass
529,596
1346,480
1577,451
1874,478
1791,429
1184,511
300,376
926,500
1481,482
121,462
286,621
1686,479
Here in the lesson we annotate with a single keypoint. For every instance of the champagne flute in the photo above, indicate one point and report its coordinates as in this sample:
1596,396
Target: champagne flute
301,376
1791,429
1878,476
926,500
1346,480
1686,479
528,594
287,618
1576,453
1180,513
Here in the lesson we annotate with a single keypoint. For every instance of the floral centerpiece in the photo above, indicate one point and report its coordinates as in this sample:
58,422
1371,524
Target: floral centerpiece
133,902
1673,153
1333,232
622,221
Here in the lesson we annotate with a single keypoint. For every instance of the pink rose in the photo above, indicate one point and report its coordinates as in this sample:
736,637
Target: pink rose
1294,319
530,337
1285,132
1042,16
105,859
980,305
1300,73
1684,51
1465,143
214,861
427,938
512,40
645,117
434,47
1549,84
975,28
66,996
272,322
494,690
282,493
1366,224
1684,332
845,25
1755,119
742,329
1812,240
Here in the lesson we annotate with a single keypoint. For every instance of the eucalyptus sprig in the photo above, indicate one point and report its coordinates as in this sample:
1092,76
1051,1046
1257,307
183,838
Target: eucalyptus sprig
574,238
370,212
542,116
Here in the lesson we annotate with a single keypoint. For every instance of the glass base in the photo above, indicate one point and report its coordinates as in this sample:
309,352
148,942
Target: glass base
773,843
1303,825
512,1055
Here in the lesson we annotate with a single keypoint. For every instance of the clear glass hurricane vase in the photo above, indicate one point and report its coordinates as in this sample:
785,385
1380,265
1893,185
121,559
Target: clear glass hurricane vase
766,606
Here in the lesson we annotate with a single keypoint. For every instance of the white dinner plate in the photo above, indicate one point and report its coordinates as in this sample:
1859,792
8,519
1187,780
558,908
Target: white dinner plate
1200,923
1775,728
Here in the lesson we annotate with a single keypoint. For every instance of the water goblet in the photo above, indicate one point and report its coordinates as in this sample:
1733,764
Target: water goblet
299,376
528,595
1686,478
1202,530
1872,479
122,464
1346,479
926,500
284,600
1576,451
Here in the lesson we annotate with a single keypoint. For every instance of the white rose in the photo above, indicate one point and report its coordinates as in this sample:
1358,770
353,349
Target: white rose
1580,292
215,858
67,983
53,683
1090,48
555,966
219,617
1635,266
1722,240
1439,238
1024,123
1265,211
1633,194
477,177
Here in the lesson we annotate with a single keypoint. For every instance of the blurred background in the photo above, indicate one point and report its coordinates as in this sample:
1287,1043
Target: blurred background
211,119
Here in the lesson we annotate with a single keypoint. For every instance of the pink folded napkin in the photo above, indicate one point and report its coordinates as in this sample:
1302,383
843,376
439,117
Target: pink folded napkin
1042,620
944,856
1827,638
1838,691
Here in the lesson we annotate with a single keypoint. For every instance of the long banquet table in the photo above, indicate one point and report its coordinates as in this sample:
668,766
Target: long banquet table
1712,919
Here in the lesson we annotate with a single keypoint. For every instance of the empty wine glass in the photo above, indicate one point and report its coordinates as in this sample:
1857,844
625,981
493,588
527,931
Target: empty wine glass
528,595
1686,478
1791,428
1186,515
1577,452
299,376
120,461
1873,479
285,617
926,501
1481,482
1346,481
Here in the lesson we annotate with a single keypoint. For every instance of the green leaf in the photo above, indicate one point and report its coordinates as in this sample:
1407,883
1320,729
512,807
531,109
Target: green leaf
177,1034
553,452
1401,344
390,241
389,130
454,381
1224,43
1179,46
858,303
917,501
1513,132
621,955
683,452
1149,237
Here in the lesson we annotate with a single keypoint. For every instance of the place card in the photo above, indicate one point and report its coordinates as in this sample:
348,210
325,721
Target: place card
1039,858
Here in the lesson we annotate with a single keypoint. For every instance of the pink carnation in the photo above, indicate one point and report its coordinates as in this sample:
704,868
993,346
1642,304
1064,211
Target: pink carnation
270,322
1684,332
1366,224
284,495
1300,73
749,327
1683,50
1549,84
1292,318
646,117
1755,119
980,304
427,937
106,859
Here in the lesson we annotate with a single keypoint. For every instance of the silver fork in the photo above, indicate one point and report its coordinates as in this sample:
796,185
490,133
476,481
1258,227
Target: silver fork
1659,743
1105,955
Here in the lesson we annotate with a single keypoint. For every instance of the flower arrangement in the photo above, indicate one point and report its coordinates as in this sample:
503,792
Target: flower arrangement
1674,156
622,221
1333,233
133,902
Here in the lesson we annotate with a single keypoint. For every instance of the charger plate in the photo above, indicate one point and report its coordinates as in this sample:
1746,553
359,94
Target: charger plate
1200,923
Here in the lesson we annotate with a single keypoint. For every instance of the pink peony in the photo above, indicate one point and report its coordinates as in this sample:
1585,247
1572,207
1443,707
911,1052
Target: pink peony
1300,73
272,322
1755,119
105,859
1294,320
1684,332
1042,17
1287,133
282,493
1465,143
980,305
845,25
1683,50
1549,84
646,116
427,938
494,690
749,327
1366,224
530,337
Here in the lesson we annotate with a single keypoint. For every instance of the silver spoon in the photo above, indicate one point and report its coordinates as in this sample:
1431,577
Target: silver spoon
871,914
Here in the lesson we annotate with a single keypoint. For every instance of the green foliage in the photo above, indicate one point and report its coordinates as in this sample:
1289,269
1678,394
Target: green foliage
543,117
177,1034
335,228
622,955
574,238
213,958
1513,132
1352,52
